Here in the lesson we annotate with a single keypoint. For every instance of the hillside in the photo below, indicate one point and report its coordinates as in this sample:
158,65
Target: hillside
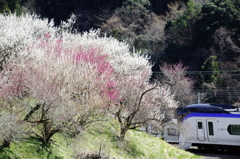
101,139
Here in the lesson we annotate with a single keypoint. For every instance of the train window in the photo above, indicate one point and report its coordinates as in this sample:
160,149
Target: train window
234,129
172,132
184,110
199,125
210,128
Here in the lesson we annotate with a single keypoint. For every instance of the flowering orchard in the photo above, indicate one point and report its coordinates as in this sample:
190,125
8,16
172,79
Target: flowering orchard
69,85
57,80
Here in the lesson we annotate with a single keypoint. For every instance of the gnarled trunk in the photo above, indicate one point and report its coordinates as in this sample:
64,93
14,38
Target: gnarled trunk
48,132
123,132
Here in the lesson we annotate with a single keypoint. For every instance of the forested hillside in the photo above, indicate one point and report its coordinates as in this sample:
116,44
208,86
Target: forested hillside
202,34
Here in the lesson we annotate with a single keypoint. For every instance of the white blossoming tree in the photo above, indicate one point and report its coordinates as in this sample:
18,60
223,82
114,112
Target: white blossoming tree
66,83
140,102
60,80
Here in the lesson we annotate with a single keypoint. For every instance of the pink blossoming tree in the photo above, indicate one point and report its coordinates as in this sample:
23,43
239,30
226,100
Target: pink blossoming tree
181,85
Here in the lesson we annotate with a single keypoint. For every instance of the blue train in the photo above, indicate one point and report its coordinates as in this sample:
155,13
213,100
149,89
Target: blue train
210,126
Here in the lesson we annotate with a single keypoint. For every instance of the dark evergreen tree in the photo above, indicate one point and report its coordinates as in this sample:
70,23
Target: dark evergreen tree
179,34
216,14
10,6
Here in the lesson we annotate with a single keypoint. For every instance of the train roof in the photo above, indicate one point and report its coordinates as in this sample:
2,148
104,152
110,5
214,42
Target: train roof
208,108
223,106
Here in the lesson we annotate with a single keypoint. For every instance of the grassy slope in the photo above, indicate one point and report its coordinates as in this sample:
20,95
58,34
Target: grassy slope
100,137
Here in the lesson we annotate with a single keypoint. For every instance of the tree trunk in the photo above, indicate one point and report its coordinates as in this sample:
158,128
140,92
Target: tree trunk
48,133
123,133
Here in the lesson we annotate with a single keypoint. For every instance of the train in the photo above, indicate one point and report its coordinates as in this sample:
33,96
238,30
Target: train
209,126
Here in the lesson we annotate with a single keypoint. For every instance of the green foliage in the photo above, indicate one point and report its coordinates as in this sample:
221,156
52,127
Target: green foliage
180,33
145,5
186,21
211,65
130,7
219,13
140,43
10,6
116,34
203,31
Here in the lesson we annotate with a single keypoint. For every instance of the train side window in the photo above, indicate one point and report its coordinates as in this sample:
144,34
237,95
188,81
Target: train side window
199,125
234,129
210,128
172,132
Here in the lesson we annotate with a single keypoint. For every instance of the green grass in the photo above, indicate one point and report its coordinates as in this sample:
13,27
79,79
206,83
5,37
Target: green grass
33,149
137,145
100,138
